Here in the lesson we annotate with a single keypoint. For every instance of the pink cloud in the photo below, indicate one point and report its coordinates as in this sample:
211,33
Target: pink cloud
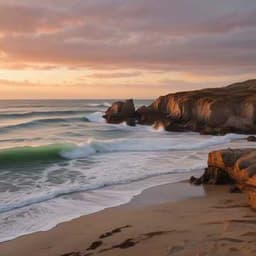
179,35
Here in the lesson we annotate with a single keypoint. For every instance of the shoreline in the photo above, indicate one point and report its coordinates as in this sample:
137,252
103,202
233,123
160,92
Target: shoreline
143,216
165,193
119,195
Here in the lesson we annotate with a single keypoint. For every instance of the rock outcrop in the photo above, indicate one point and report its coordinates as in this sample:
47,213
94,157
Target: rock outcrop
209,111
213,111
232,166
121,112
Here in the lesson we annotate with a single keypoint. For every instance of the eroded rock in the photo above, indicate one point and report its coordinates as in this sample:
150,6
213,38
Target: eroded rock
218,111
121,112
230,166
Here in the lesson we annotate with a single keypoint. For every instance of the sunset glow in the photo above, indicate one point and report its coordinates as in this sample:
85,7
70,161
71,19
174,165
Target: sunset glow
120,49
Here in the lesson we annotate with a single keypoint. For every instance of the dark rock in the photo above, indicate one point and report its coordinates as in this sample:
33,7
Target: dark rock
212,175
216,176
121,112
251,138
148,116
195,181
131,121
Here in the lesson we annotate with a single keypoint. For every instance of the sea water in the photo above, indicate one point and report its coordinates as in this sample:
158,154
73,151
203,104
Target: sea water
60,160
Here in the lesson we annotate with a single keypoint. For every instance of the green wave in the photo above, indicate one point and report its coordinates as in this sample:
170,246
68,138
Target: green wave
30,154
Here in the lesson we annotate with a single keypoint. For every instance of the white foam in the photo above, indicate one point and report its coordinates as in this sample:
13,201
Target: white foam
146,144
57,192
94,175
159,129
139,127
95,117
43,206
78,152
104,104
25,220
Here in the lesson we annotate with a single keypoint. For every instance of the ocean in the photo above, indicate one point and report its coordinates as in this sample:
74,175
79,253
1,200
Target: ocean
60,160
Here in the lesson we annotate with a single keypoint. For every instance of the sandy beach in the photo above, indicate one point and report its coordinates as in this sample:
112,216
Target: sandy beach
127,128
188,220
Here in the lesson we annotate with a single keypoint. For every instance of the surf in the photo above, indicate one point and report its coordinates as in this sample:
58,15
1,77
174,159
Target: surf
104,104
13,156
71,151
40,113
44,121
45,196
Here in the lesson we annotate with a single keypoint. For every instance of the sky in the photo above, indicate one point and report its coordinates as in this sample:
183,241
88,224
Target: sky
73,49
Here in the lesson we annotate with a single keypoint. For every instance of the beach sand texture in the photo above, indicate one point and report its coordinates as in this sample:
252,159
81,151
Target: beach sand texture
217,224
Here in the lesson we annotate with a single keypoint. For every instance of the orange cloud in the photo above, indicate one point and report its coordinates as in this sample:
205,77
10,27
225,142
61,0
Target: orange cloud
106,43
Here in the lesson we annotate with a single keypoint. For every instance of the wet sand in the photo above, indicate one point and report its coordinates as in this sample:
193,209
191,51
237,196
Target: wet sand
172,219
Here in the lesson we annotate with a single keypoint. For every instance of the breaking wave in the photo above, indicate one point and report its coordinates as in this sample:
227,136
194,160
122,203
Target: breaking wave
41,113
104,104
92,146
42,122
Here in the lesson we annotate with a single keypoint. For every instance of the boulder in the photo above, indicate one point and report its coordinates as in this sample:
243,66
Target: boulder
121,112
231,166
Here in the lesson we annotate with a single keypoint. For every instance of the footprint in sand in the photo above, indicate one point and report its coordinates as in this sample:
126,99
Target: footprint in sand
131,242
114,231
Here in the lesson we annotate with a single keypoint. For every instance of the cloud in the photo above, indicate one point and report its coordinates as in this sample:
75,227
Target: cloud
114,75
20,19
179,35
10,83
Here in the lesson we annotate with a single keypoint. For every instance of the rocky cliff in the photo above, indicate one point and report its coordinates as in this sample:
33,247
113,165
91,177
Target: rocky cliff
218,110
213,111
236,166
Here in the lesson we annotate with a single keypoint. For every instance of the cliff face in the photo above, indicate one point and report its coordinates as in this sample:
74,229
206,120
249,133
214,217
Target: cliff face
212,111
231,108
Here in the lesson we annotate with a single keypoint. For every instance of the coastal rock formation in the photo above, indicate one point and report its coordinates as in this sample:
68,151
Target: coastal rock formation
209,111
217,110
121,112
232,166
